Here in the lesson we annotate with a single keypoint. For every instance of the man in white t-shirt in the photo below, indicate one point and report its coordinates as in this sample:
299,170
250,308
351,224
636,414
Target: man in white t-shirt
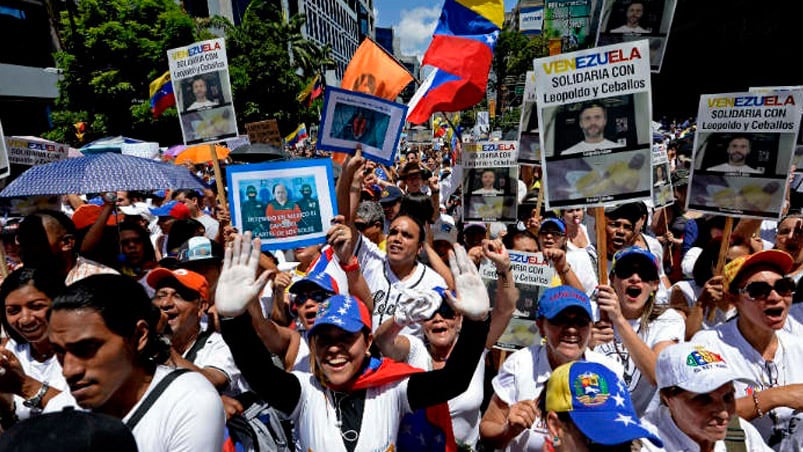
758,349
592,121
103,329
738,151
634,13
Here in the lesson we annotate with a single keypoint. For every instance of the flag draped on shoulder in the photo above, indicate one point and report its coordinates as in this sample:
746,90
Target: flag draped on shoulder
461,52
373,71
161,92
299,134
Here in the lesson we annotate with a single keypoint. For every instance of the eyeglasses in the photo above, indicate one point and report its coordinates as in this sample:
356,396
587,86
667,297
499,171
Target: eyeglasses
772,373
576,321
445,311
626,271
760,290
318,297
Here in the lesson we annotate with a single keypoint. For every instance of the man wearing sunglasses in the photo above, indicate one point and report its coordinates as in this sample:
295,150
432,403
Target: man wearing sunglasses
758,348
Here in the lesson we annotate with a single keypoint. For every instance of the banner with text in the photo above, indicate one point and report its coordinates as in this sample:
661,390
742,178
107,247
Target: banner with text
594,115
34,151
490,181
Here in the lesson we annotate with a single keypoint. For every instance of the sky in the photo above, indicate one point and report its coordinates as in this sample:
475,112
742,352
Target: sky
413,21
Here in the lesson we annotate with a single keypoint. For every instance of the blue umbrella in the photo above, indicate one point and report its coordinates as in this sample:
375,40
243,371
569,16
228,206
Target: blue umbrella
100,173
108,144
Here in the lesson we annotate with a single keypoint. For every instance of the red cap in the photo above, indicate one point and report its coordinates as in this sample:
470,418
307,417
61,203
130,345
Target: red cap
186,278
87,214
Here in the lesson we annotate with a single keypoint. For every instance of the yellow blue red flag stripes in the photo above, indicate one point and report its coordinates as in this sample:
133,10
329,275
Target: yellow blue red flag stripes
308,89
462,50
161,92
299,134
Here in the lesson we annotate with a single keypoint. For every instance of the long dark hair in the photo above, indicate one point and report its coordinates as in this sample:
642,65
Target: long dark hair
45,281
121,302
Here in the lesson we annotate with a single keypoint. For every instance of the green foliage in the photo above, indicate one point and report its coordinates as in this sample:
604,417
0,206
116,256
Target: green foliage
113,50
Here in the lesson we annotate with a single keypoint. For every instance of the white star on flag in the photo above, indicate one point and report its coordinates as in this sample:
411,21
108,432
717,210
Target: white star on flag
621,386
342,311
627,420
491,38
620,401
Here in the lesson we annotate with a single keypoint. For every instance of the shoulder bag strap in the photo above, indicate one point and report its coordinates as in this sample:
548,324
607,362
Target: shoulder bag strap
152,396
200,341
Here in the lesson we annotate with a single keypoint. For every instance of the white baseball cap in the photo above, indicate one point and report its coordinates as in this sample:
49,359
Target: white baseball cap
444,228
138,209
695,368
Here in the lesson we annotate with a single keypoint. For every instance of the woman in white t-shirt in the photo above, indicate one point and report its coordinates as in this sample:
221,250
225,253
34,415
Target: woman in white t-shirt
30,370
635,328
441,331
580,252
350,400
564,321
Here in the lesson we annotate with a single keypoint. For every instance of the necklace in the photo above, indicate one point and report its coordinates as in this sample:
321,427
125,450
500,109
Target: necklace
349,435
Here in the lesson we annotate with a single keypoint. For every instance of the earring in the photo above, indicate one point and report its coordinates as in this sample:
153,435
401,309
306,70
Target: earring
556,441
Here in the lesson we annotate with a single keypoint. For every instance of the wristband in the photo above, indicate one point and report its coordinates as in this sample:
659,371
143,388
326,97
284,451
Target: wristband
35,402
353,265
566,270
759,413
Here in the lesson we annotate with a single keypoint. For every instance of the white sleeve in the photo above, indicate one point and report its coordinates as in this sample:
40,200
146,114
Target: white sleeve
687,264
504,383
418,356
216,354
669,326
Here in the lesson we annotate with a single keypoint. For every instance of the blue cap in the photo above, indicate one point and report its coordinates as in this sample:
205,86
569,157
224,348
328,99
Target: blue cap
312,281
175,209
391,193
635,252
556,221
97,200
556,299
598,403
343,311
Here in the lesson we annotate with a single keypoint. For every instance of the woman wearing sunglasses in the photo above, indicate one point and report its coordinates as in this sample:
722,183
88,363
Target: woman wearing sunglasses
348,401
441,331
757,347
512,420
633,328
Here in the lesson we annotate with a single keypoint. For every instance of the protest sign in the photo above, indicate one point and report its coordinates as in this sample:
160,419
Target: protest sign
570,25
531,19
662,193
532,275
529,140
5,168
286,204
595,121
350,118
626,21
34,151
743,151
200,76
264,132
490,181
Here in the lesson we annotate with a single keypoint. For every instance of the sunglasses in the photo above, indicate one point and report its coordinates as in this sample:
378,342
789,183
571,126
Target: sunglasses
361,226
760,290
445,311
318,297
576,321
626,271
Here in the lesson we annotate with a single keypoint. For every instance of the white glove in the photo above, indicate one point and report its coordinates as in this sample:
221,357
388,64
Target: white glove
238,284
416,306
472,296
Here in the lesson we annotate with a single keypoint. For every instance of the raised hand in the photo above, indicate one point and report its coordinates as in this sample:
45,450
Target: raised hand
238,284
472,296
416,306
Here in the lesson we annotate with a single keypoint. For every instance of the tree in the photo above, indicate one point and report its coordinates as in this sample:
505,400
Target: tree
112,50
513,56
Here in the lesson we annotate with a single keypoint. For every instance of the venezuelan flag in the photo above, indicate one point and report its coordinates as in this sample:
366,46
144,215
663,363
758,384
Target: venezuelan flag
308,89
162,96
299,134
461,50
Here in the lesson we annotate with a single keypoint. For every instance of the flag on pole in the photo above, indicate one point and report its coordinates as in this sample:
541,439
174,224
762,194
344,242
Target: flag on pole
461,51
162,97
373,71
307,91
299,134
316,92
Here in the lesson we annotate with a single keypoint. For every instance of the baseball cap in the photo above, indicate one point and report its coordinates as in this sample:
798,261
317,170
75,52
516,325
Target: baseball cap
343,311
475,224
557,299
198,249
186,278
598,403
695,368
444,229
630,211
313,281
732,273
391,193
86,215
637,254
138,209
560,224
69,430
175,209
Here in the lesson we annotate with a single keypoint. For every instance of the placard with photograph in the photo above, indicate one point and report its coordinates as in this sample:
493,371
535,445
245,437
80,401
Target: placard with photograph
743,151
594,113
570,25
350,118
662,193
200,76
287,204
529,140
490,181
631,20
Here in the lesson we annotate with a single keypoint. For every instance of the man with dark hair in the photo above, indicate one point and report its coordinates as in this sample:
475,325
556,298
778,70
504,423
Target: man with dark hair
200,91
283,214
738,150
310,211
592,120
194,201
103,330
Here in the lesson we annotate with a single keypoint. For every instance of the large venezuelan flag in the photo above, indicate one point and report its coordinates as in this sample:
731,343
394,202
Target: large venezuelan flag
461,50
162,97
